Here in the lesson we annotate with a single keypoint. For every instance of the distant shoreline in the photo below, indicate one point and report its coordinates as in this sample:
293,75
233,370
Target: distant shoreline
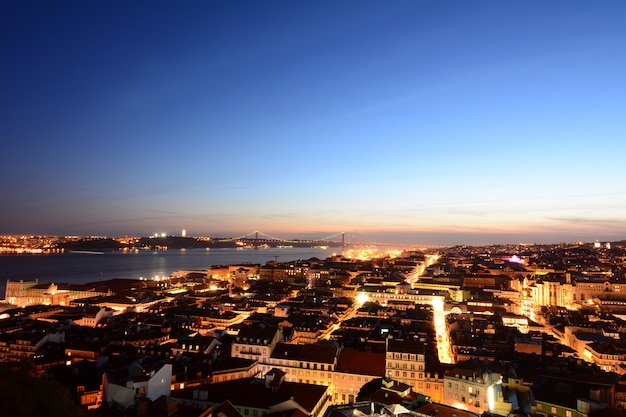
83,267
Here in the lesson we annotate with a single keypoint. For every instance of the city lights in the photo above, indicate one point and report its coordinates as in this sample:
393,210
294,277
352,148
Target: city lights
313,208
362,298
371,297
443,339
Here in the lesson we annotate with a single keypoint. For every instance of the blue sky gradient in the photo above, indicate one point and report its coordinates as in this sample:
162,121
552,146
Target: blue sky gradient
436,122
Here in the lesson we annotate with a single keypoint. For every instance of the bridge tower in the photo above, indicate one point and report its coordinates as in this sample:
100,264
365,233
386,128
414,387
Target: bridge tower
343,242
256,240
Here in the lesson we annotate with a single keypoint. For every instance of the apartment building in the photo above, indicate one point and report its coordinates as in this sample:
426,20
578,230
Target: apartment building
468,389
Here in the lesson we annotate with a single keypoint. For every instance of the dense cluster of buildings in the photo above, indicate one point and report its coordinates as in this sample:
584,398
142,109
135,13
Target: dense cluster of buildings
503,330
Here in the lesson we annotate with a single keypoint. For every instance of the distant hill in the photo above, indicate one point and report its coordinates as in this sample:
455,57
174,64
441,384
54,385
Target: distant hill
99,244
177,242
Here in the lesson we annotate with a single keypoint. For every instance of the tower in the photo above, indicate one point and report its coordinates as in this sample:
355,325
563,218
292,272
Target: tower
343,243
184,232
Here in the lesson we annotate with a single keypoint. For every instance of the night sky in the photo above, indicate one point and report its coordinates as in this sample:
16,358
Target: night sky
438,122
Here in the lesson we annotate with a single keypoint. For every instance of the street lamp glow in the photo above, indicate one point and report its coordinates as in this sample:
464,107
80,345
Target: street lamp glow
443,339
362,298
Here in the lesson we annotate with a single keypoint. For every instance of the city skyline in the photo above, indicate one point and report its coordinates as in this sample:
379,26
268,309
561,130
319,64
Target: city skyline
433,122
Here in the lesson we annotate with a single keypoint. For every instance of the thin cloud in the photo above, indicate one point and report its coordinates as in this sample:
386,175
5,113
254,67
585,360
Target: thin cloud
589,220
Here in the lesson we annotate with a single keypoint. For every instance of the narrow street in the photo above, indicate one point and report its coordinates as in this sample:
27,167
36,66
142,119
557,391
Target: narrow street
443,339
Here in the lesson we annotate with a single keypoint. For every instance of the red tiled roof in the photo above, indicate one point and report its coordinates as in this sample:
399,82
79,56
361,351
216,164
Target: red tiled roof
309,353
385,397
291,413
251,392
365,363
252,333
287,351
441,410
318,353
405,346
226,409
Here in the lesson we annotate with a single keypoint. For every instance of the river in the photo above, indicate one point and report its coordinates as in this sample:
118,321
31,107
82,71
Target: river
83,267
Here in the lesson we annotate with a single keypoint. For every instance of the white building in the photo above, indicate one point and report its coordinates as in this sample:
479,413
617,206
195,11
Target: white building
140,383
469,389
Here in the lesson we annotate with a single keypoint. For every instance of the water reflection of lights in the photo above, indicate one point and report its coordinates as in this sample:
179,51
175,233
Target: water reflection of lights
158,278
443,340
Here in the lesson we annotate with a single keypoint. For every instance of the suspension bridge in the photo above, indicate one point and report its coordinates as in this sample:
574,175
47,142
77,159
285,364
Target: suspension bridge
342,239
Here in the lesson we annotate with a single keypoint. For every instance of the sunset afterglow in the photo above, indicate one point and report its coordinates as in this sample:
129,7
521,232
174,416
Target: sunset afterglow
406,122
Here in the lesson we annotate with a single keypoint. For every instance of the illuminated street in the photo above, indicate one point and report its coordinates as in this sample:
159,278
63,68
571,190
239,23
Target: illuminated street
443,339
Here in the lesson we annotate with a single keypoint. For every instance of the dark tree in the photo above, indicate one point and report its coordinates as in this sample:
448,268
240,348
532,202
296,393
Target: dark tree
25,396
